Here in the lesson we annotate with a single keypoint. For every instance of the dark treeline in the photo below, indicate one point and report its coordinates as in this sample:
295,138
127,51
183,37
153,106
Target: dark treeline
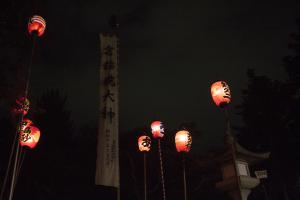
270,112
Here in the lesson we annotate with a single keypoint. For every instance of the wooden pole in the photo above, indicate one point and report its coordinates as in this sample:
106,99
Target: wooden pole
12,184
16,167
184,176
161,171
231,142
145,177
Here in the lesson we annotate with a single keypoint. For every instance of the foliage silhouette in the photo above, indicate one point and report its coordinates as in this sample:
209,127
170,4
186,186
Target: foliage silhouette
270,112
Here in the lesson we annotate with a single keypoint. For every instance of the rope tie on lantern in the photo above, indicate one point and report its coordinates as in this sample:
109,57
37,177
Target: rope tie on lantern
161,171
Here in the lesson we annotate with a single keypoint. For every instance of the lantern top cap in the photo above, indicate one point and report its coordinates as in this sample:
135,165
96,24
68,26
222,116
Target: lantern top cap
37,25
183,141
157,129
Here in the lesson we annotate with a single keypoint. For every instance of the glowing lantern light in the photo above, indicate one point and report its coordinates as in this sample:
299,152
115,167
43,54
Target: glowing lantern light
37,25
22,106
220,93
25,124
157,129
183,141
144,143
30,137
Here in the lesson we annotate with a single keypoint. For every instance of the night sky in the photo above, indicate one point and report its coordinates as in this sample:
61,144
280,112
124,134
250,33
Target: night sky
171,52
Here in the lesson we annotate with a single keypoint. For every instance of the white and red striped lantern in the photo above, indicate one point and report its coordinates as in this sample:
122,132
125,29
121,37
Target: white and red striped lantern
220,93
30,136
157,129
37,25
183,141
144,143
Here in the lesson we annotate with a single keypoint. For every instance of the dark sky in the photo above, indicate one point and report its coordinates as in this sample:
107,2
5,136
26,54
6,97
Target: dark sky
171,52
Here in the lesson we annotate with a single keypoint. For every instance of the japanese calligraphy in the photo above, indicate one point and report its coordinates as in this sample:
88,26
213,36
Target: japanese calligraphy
108,50
108,113
146,142
226,90
25,136
108,95
109,81
109,65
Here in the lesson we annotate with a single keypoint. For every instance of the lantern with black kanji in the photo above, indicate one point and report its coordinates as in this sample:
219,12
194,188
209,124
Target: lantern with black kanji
21,106
157,129
183,141
26,123
144,143
36,25
30,136
220,93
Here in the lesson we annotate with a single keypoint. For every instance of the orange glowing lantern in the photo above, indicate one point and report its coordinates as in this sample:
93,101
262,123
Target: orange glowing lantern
183,141
36,25
220,93
30,137
144,143
21,106
25,124
157,129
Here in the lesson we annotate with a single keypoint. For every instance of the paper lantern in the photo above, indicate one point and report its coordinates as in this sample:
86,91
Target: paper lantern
144,143
157,129
21,106
36,25
220,93
183,141
30,137
25,124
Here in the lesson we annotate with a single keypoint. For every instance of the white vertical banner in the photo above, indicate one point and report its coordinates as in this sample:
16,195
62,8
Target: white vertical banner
107,163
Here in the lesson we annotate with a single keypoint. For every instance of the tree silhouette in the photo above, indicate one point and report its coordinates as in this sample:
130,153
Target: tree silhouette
270,112
263,112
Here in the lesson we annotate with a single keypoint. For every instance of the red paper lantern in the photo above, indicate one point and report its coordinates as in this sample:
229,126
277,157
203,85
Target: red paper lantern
157,129
183,141
26,123
144,143
220,93
37,25
21,106
30,137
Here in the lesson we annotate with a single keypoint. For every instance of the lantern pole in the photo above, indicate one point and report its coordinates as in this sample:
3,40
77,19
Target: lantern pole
21,160
161,170
16,167
229,139
184,176
9,165
145,177
12,184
